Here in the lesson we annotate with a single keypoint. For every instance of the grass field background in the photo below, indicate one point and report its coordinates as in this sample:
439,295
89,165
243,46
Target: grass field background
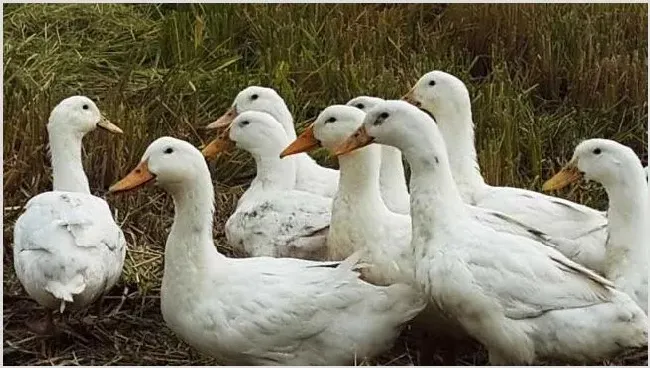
542,77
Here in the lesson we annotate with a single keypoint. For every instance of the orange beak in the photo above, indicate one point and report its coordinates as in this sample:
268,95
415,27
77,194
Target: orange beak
220,144
224,120
569,174
410,98
136,178
304,143
359,139
105,124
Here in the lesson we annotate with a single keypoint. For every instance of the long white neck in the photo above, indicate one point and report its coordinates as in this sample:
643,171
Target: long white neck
359,181
274,172
67,168
457,128
391,178
357,207
436,203
627,246
190,251
283,115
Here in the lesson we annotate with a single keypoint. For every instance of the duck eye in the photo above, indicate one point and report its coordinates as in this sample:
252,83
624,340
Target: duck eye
254,97
245,122
331,120
432,83
597,151
85,107
360,106
169,150
384,115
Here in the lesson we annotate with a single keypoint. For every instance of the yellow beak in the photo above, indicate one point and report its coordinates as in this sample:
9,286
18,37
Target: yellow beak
225,119
216,146
569,174
359,139
105,124
304,143
136,178
410,98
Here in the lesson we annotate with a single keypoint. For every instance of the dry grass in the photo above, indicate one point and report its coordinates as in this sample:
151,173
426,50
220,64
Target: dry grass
542,78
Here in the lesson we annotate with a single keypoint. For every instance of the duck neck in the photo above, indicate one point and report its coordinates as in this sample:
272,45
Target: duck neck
457,128
391,174
359,181
436,204
283,115
627,246
274,172
67,168
190,249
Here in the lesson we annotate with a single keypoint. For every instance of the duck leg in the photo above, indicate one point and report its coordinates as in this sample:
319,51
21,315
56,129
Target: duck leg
125,292
100,308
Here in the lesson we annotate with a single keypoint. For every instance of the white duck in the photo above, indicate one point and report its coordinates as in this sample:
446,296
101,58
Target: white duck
361,222
392,181
582,230
68,250
619,170
395,191
360,219
523,300
272,219
310,177
262,310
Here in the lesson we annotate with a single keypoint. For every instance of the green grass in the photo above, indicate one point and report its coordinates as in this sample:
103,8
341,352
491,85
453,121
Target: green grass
542,77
